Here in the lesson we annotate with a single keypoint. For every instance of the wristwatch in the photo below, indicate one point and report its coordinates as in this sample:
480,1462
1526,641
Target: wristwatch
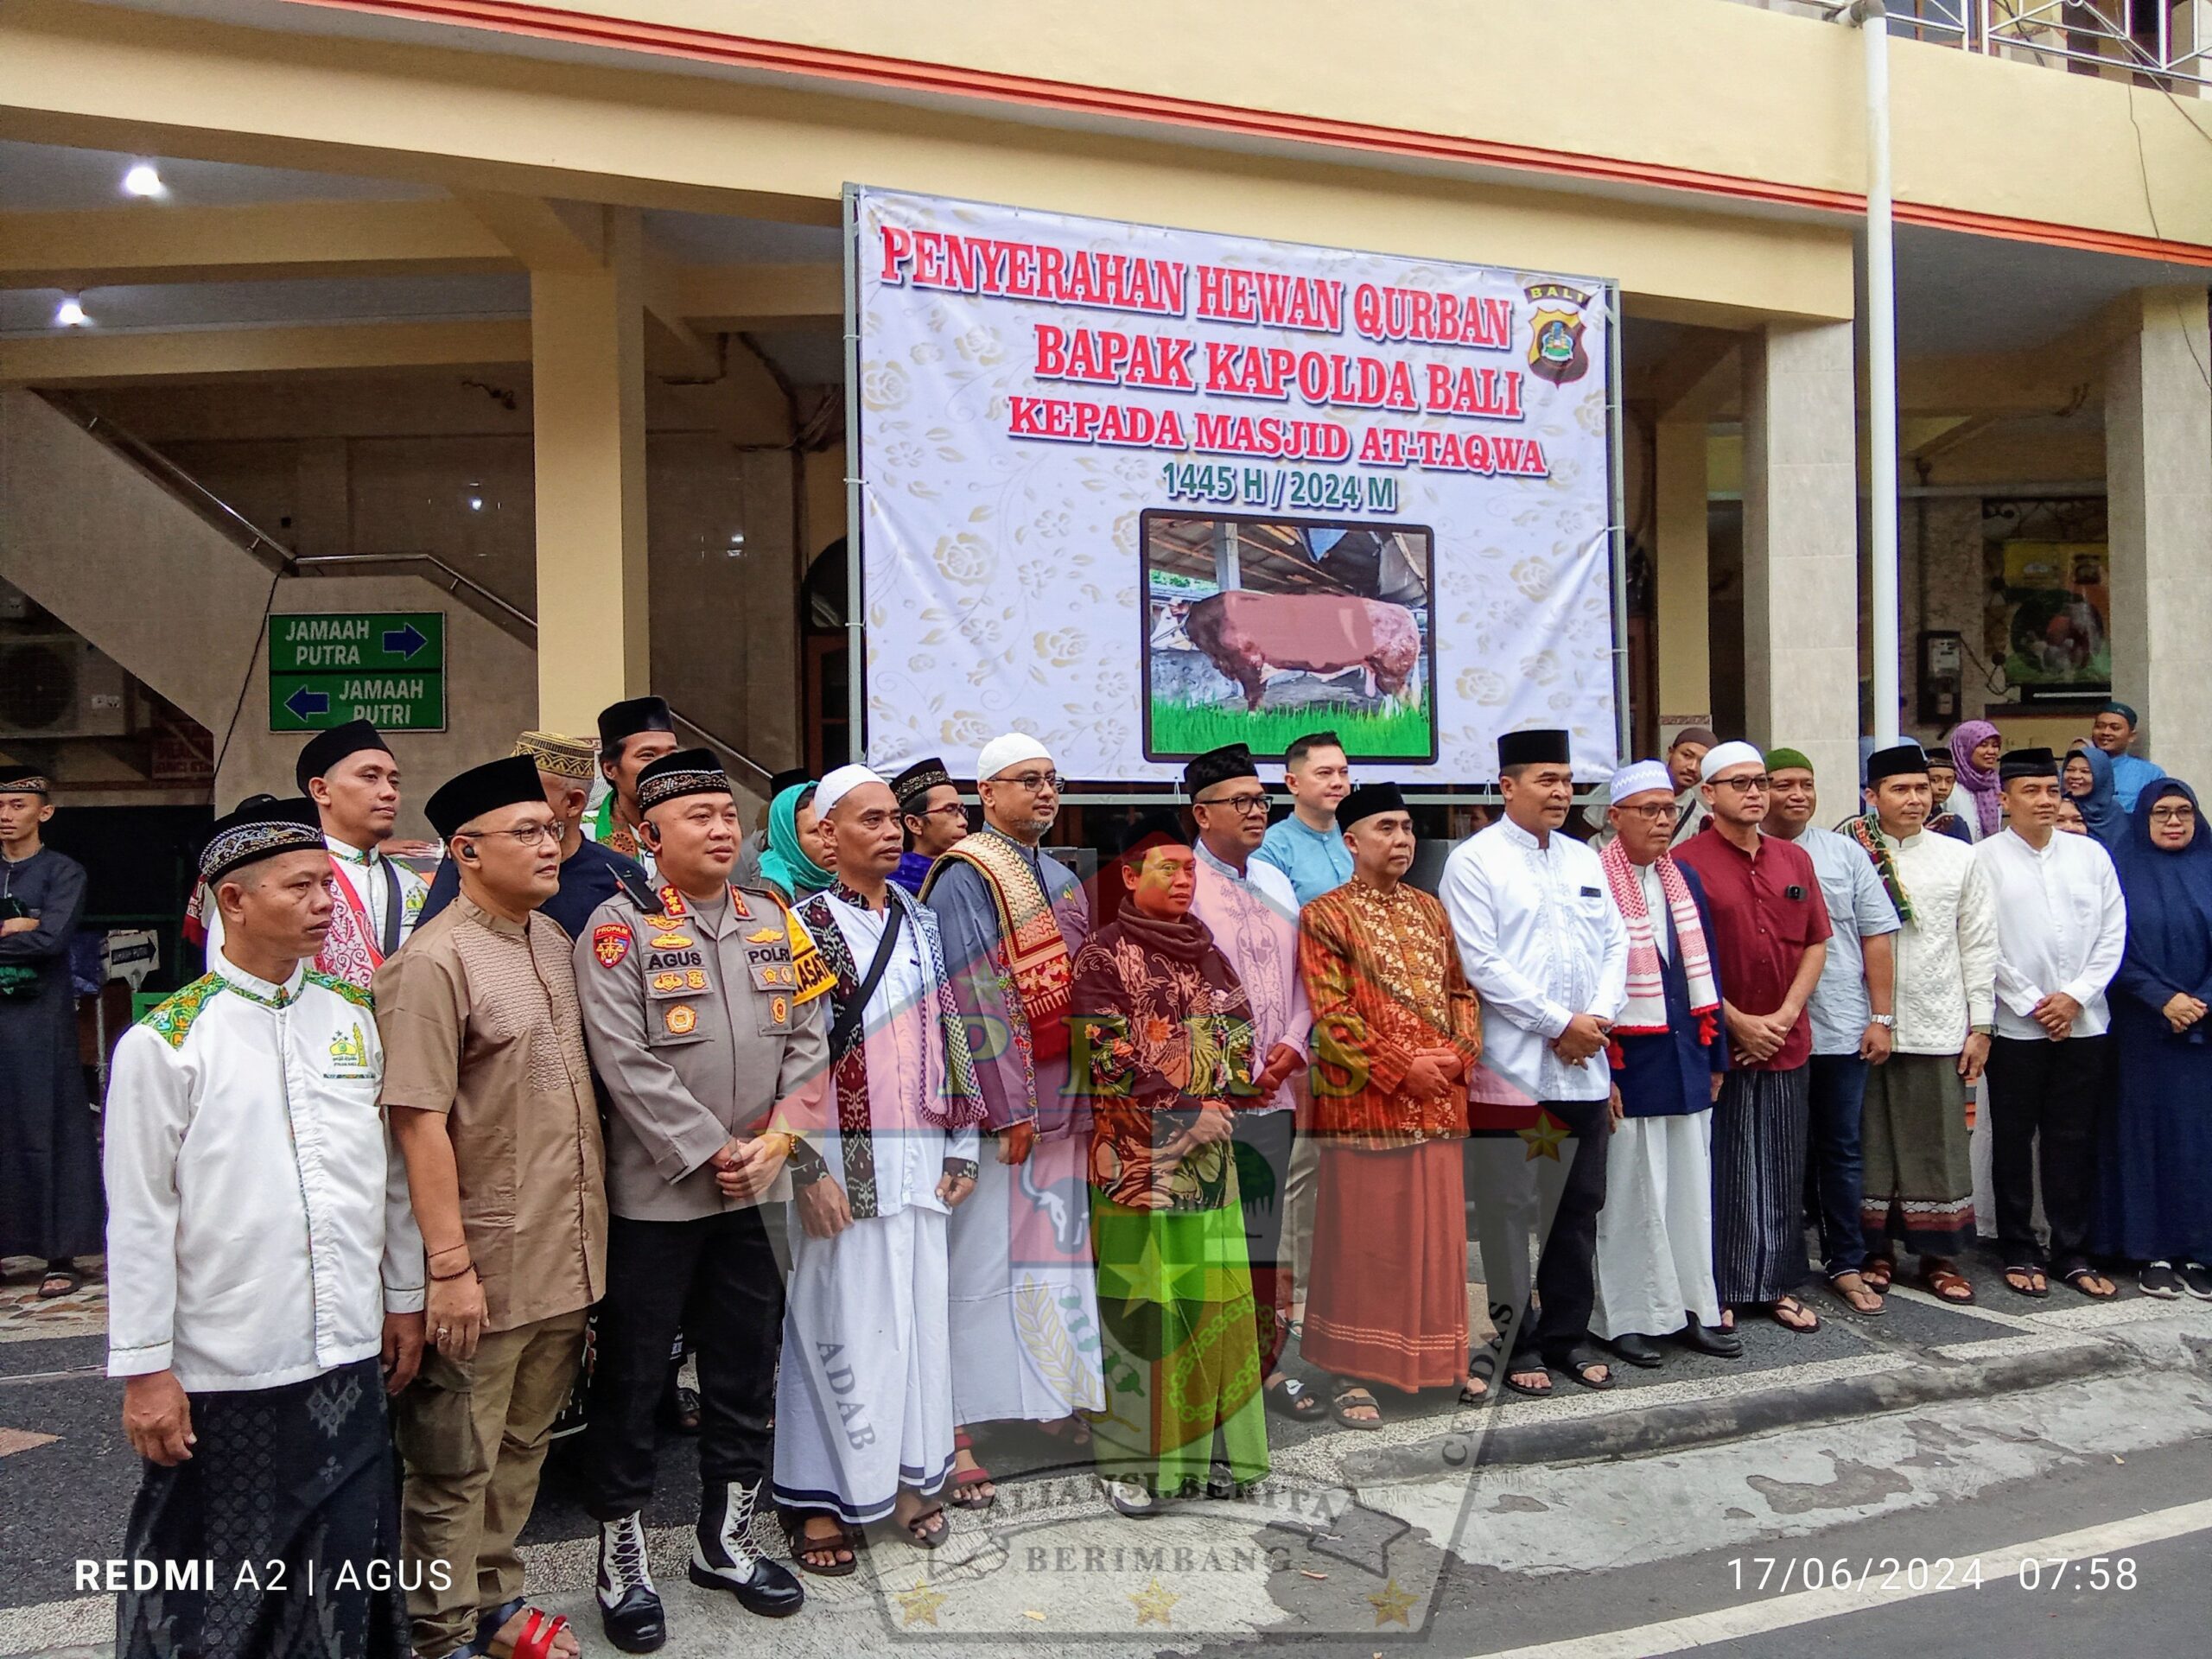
1887,1021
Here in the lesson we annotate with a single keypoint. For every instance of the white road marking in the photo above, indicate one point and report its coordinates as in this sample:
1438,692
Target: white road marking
1808,1606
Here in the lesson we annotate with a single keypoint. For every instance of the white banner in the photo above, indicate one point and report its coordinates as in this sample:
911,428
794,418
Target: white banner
1142,492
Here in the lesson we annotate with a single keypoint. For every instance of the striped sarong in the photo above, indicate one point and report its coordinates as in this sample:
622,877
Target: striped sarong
1758,1184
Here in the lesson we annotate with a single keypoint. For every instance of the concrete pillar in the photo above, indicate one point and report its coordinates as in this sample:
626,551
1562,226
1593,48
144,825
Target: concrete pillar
2159,495
1683,577
1800,549
588,364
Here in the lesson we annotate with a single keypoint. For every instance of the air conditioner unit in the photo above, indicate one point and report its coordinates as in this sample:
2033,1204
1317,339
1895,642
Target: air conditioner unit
57,685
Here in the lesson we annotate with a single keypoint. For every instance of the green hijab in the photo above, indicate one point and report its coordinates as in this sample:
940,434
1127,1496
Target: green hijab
785,864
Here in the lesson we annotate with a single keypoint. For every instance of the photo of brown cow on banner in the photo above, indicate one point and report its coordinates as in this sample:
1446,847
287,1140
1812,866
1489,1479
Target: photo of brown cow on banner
1256,629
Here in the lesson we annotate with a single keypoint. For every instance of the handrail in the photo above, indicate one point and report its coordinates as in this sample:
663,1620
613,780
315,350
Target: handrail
279,560
2083,36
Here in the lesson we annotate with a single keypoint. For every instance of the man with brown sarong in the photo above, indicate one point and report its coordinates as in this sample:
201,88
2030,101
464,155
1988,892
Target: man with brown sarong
1396,1029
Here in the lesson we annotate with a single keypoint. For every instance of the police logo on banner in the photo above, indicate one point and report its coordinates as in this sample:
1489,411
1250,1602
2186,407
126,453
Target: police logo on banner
1556,353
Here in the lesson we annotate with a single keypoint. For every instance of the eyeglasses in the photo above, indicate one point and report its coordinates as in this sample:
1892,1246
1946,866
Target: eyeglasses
949,810
1243,805
1744,786
528,834
2181,814
1664,812
1035,782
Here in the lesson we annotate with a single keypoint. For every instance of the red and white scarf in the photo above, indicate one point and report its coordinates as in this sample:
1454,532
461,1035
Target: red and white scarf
1645,1012
350,949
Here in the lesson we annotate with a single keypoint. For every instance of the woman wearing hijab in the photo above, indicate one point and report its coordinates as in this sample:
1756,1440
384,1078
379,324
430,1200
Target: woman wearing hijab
791,865
2157,1173
1975,745
2087,781
1167,1058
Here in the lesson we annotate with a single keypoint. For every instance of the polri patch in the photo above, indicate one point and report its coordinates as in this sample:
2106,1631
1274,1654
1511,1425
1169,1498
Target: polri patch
681,1021
611,944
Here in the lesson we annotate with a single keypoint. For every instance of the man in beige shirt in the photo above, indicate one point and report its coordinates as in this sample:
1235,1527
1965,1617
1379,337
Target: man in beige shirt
489,1097
704,1012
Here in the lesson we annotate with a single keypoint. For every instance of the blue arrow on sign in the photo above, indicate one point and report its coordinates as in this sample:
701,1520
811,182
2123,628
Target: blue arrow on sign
303,702
404,642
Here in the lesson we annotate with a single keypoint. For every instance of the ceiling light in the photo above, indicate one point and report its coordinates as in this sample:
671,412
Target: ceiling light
70,314
143,179
476,504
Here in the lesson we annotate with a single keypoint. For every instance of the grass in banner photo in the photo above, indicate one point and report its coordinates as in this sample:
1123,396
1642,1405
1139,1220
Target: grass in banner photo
1188,728
1259,631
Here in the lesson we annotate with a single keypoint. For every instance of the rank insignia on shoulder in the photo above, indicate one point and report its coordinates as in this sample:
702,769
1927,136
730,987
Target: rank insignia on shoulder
671,902
738,907
611,944
681,1021
672,941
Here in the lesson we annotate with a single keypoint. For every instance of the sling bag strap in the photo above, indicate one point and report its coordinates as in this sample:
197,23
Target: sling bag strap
847,1023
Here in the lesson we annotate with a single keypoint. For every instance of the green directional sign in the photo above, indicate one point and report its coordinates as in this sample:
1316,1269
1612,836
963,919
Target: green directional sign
386,667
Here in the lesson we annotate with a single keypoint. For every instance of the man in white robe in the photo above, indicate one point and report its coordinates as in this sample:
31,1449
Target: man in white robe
265,1276
1655,1234
864,1401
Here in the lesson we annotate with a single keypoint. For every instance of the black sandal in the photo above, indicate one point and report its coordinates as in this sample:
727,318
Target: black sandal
2075,1276
1530,1368
1581,1363
921,1534
845,1542
1288,1397
2027,1271
1351,1396
1481,1368
59,1283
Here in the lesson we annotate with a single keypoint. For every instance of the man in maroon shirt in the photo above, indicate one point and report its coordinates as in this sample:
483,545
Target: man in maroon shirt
1770,931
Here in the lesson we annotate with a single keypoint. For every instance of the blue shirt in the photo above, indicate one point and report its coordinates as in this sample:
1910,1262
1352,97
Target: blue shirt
1669,1073
1316,861
589,879
2129,775
1858,908
913,869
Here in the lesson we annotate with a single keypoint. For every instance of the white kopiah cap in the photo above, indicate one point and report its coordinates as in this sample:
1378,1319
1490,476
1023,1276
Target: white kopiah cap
1639,778
1735,753
838,785
1011,750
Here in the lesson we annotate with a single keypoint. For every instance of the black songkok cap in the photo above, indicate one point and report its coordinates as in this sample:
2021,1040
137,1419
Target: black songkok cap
2026,763
789,778
1147,830
325,749
618,721
686,771
261,827
912,786
483,789
1368,800
1536,748
24,780
1905,760
1219,765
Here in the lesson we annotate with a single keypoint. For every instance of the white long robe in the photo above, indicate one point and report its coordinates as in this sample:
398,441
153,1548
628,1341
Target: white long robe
864,1394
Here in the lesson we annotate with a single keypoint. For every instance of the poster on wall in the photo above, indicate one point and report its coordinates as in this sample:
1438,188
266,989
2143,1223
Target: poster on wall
1142,492
2049,601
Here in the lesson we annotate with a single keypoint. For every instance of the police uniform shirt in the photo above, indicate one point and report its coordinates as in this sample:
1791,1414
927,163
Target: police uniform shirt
703,1024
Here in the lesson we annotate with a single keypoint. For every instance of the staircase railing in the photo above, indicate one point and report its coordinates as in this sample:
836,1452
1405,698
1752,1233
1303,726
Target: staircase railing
279,559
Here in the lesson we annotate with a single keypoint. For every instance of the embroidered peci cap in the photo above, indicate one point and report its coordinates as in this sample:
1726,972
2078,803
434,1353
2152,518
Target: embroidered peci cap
261,827
685,771
24,780
912,786
559,755
1639,778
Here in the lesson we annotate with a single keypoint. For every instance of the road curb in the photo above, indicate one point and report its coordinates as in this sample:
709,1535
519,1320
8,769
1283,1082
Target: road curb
1679,1425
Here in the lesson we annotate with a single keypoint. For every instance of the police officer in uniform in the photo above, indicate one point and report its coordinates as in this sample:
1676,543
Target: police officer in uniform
705,1014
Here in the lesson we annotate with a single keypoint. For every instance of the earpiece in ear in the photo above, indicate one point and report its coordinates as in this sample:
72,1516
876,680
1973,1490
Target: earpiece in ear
469,853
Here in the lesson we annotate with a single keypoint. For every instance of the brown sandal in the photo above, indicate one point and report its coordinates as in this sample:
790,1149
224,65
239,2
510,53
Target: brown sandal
1782,1306
1941,1282
1879,1271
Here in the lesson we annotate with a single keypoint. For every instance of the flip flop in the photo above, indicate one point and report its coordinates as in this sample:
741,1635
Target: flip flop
2079,1274
1512,1371
2034,1292
1865,1288
1782,1305
1579,1365
1481,1368
961,1495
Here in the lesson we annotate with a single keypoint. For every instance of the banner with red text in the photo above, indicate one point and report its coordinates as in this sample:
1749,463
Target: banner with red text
1142,492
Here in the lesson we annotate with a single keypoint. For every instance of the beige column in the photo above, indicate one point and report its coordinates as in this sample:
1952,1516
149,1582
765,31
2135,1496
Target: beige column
589,421
1685,657
2158,488
1800,549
